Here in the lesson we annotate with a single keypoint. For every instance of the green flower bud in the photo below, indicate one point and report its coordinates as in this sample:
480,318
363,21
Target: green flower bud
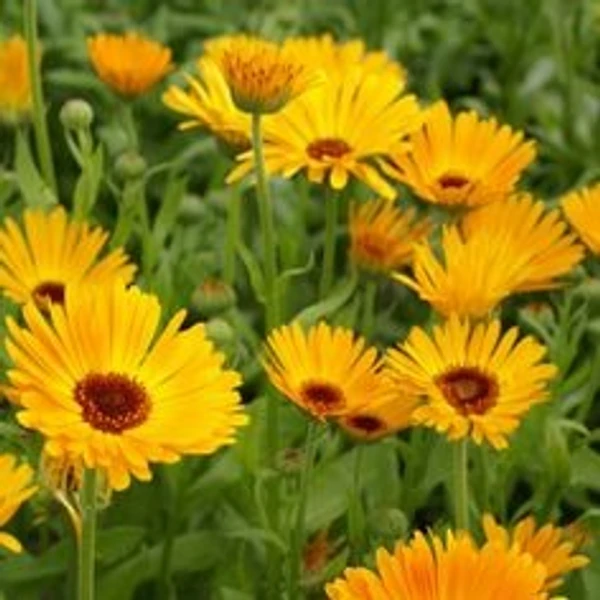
130,165
213,297
76,114
389,523
220,332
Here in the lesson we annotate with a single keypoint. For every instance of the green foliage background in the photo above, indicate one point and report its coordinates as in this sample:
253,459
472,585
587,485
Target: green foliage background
535,65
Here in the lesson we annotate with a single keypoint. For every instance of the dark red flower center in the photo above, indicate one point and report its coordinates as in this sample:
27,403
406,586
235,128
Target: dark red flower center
327,148
52,292
453,181
321,398
365,423
468,390
112,402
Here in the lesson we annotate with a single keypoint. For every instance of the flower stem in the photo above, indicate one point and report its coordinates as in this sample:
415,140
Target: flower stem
329,245
87,543
299,532
369,298
42,139
129,125
234,211
272,318
356,517
461,485
267,227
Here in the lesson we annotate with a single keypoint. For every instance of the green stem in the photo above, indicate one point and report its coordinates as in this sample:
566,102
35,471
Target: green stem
369,298
329,245
461,485
234,211
356,514
42,139
129,125
164,584
299,533
87,543
272,319
267,227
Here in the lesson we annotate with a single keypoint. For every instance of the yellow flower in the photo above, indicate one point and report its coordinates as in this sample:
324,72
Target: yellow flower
541,237
548,545
326,371
508,247
382,237
130,64
336,59
101,382
464,161
15,488
474,380
208,104
389,414
262,76
15,87
337,131
38,261
582,210
429,569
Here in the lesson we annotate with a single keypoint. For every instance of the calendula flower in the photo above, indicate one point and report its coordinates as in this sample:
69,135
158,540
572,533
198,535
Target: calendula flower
382,237
49,252
474,380
339,131
207,103
336,59
548,545
429,569
15,86
465,161
498,250
326,371
130,64
15,487
390,414
582,210
102,382
262,76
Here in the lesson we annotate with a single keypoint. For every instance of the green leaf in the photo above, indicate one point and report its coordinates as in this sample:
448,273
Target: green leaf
257,279
33,188
325,308
167,215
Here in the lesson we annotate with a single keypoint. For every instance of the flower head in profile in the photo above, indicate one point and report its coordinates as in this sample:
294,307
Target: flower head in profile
474,380
103,382
337,59
15,487
339,131
262,76
39,259
327,371
498,250
582,210
463,161
548,545
15,86
382,236
207,104
130,64
429,568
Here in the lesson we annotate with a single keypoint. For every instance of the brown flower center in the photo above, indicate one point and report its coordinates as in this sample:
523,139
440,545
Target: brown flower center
112,402
49,292
322,398
327,148
468,390
365,423
453,181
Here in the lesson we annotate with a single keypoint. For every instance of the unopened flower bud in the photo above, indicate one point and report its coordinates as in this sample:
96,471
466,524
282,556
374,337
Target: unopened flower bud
76,114
213,296
220,332
130,165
